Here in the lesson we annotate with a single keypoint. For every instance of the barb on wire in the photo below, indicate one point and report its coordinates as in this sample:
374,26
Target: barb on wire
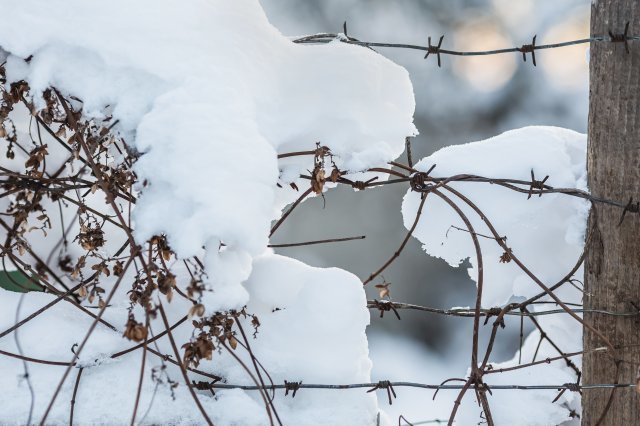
383,306
434,49
386,385
529,48
631,207
622,38
536,184
295,386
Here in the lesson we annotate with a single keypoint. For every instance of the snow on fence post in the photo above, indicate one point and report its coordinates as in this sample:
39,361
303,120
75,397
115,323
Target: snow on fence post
612,273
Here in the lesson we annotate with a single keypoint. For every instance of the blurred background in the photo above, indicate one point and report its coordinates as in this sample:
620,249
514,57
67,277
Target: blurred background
466,100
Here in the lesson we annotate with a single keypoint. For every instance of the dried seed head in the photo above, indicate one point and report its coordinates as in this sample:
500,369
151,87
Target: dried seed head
383,290
196,310
506,257
82,292
135,331
317,179
335,175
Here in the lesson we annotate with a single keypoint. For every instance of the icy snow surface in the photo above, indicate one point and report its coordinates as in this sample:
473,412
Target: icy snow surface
546,233
210,92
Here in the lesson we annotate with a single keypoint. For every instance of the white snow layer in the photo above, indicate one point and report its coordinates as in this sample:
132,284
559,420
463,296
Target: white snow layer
312,329
546,233
210,92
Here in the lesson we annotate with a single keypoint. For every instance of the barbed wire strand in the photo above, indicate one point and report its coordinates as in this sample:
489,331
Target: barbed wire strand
324,38
568,386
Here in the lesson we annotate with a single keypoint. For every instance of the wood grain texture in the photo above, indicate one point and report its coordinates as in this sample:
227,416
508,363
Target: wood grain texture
612,270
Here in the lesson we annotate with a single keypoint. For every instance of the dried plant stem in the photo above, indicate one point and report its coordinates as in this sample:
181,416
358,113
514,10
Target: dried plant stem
142,366
286,215
402,245
73,397
81,346
205,416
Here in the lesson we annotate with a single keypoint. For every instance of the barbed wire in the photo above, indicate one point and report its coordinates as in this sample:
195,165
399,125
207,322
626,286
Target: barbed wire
387,305
438,50
289,385
38,182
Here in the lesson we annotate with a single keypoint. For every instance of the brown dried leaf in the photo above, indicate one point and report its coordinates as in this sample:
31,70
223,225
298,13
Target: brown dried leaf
233,343
317,179
335,175
166,282
196,310
166,255
135,331
383,290
62,132
118,268
82,292
506,257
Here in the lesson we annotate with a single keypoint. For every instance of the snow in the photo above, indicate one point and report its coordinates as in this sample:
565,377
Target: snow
208,92
397,358
546,233
530,225
316,335
222,92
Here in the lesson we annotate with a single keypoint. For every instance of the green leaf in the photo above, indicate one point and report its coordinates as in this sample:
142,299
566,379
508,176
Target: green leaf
18,281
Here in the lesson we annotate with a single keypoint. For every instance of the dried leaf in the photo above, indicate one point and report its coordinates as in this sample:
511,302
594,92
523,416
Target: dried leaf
135,331
118,268
506,257
166,255
82,292
317,179
62,132
383,290
335,175
196,310
233,342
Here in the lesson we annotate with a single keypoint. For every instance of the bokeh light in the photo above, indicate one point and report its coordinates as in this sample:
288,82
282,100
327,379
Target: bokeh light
483,73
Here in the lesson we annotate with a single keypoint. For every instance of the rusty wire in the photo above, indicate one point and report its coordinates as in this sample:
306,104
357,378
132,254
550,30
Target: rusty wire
151,257
386,383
